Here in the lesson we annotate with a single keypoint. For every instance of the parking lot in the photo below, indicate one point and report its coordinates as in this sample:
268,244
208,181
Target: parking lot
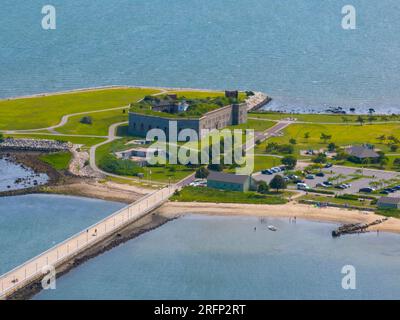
347,172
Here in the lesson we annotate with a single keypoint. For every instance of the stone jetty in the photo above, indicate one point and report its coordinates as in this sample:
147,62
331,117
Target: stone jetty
355,227
11,144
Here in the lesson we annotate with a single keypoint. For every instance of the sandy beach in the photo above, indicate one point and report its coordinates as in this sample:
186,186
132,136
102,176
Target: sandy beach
290,210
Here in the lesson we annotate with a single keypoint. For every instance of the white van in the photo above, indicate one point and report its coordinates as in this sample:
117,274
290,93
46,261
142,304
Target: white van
302,186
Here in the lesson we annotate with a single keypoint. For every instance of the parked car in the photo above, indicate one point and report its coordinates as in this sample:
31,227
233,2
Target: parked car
266,171
384,192
328,183
320,174
329,165
340,186
323,185
367,190
310,176
302,186
347,185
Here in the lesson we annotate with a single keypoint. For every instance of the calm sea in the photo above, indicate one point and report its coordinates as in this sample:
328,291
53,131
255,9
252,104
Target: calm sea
294,50
31,224
197,257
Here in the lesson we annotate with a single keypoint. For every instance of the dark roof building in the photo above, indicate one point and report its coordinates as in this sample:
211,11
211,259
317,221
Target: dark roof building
389,203
362,152
227,181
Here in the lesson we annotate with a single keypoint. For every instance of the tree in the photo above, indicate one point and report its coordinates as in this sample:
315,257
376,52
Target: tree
86,120
394,147
202,173
307,136
1,137
325,137
320,158
292,141
262,187
396,162
361,120
289,161
331,147
277,183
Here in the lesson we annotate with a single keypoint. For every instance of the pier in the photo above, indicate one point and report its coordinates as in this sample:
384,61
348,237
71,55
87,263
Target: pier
32,270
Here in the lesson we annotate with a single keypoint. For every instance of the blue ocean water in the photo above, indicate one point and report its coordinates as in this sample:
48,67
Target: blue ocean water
294,50
200,257
31,224
10,172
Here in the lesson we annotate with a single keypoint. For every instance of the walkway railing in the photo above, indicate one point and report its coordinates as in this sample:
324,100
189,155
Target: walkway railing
60,253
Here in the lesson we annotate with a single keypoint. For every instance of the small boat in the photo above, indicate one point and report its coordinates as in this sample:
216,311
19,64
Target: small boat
272,228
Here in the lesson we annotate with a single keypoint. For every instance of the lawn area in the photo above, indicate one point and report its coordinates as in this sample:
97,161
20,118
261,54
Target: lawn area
162,173
256,125
261,163
327,199
197,194
101,121
87,142
45,111
58,160
321,118
341,135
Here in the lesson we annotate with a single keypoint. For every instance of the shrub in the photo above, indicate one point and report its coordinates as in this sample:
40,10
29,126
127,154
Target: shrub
320,158
276,148
262,187
86,120
119,166
215,167
202,173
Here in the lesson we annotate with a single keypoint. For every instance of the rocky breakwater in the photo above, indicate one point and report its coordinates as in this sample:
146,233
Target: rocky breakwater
257,101
11,144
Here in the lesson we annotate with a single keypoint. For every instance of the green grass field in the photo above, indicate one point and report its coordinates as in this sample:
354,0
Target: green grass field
45,111
341,135
101,121
323,198
256,125
321,118
58,160
191,194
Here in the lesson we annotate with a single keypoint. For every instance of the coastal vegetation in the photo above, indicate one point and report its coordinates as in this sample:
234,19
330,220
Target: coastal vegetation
348,119
46,111
58,160
196,194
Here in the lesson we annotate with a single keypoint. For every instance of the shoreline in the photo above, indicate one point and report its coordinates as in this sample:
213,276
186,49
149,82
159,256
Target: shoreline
174,210
289,210
280,109
65,183
107,87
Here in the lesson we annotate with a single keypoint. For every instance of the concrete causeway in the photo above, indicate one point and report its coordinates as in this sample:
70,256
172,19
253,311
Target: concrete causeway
31,270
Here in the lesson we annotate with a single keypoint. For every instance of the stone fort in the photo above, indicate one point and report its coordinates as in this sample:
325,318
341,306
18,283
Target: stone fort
220,118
